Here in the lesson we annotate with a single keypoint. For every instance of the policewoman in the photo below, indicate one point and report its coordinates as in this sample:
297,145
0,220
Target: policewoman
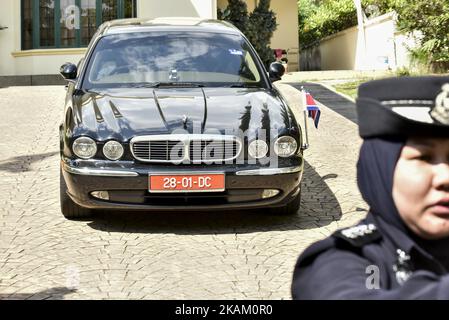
401,249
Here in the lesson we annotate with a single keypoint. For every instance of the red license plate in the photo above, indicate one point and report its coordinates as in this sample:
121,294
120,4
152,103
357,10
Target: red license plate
214,182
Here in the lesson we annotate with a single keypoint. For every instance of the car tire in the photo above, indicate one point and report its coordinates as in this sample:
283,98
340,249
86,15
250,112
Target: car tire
70,209
291,208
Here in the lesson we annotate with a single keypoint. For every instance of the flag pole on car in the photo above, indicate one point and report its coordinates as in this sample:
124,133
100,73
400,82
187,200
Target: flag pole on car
311,110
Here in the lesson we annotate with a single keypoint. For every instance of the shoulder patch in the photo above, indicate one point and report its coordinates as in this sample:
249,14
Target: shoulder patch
359,235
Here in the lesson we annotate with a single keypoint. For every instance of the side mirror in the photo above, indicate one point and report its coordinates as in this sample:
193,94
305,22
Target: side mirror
276,71
69,71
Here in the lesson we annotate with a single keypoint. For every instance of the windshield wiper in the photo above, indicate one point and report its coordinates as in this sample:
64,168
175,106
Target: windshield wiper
167,84
244,85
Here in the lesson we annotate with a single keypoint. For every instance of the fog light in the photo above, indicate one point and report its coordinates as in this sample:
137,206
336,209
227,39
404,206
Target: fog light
103,195
270,193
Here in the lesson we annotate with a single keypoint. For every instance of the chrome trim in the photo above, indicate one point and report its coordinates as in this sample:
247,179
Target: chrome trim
186,139
306,144
269,171
98,172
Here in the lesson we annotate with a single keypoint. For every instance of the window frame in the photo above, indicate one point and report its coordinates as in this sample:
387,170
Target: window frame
35,17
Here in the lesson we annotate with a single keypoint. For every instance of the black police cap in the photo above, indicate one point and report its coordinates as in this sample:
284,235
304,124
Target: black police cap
404,107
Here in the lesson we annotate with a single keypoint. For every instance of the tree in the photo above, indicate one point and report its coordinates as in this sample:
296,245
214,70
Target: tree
235,13
261,26
431,19
306,8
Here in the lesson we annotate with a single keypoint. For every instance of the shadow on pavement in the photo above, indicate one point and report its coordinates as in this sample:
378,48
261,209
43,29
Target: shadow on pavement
23,163
319,207
53,293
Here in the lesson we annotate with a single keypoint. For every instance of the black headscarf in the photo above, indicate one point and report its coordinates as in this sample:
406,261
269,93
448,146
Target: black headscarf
375,172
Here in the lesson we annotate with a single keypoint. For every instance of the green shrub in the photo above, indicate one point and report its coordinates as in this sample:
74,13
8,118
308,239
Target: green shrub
321,18
261,26
403,72
431,19
235,13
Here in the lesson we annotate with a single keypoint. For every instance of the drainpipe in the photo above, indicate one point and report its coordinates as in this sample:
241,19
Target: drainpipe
361,61
214,9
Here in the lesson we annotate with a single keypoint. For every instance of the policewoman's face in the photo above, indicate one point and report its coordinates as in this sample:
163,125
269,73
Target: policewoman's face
421,187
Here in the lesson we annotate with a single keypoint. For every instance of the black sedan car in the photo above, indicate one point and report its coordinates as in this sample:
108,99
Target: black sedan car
176,114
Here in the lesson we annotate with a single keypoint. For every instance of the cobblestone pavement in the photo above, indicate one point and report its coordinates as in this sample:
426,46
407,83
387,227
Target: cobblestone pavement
238,255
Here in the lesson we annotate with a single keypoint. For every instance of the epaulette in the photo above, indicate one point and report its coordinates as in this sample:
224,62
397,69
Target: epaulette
360,235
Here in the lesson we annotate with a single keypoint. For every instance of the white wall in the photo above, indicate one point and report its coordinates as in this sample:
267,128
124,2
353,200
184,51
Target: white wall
384,48
380,36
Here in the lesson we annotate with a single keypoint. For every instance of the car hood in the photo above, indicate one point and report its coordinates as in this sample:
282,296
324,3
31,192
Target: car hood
124,113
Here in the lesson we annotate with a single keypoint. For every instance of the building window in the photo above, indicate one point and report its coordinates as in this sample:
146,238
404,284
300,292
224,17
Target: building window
68,23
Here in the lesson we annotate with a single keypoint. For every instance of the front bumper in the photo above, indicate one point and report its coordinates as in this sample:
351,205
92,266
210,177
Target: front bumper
127,185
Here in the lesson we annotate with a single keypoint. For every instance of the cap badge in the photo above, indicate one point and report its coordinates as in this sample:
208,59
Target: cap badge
440,112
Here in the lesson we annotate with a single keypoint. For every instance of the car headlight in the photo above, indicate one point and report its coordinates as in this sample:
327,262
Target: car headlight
84,148
113,150
285,146
258,149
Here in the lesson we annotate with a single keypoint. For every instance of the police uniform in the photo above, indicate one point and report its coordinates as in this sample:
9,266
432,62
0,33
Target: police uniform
380,258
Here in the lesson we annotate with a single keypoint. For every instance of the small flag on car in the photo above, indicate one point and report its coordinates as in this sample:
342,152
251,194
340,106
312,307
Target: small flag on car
313,111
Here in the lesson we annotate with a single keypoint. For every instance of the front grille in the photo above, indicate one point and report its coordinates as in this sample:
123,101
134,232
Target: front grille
186,148
158,150
213,150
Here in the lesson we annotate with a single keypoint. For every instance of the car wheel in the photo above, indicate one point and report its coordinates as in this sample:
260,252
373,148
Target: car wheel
291,208
70,209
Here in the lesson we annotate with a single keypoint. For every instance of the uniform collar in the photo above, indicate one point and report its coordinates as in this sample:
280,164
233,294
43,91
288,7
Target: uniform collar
402,240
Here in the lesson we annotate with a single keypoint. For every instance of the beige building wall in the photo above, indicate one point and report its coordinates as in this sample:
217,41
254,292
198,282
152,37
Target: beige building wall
43,62
338,52
176,8
13,61
9,38
383,49
286,36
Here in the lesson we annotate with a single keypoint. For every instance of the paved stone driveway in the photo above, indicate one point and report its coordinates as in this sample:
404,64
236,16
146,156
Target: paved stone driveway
154,256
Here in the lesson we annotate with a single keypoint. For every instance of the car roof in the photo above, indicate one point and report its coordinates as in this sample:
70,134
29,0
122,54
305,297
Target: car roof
185,24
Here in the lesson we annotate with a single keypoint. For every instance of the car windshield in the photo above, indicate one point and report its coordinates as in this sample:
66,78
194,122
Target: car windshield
172,58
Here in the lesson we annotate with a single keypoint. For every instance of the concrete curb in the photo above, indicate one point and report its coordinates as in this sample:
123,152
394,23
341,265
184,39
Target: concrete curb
329,87
38,80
